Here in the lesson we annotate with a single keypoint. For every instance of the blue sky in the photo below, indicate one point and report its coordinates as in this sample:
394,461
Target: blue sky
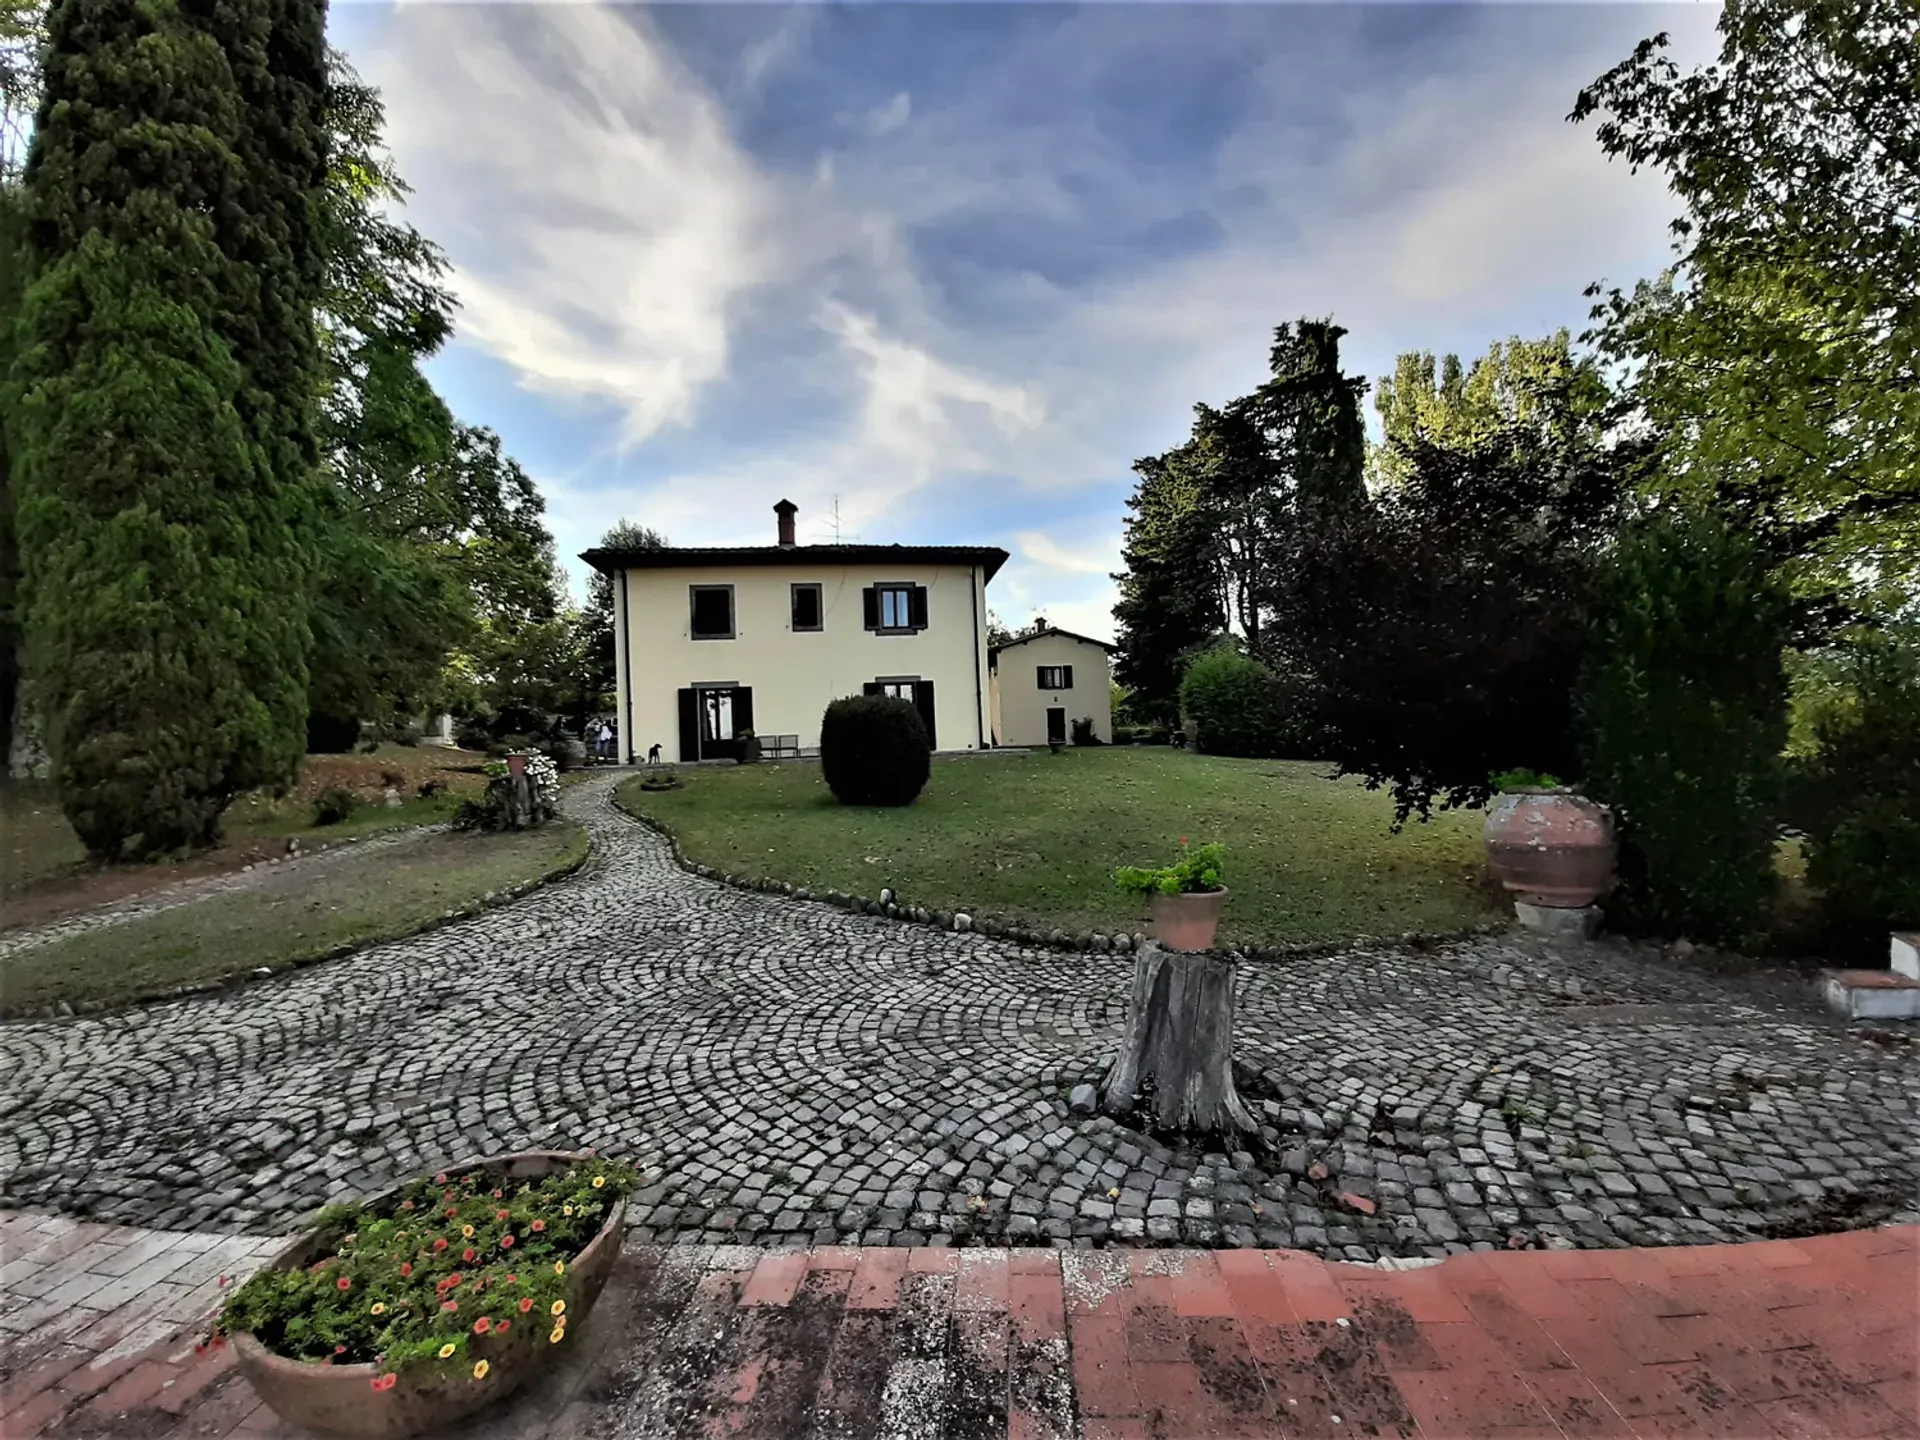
958,266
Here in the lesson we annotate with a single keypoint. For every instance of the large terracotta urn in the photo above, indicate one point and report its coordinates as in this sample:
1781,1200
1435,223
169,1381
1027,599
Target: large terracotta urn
1550,847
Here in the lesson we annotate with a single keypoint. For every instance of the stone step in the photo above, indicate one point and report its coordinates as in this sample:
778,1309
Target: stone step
1871,994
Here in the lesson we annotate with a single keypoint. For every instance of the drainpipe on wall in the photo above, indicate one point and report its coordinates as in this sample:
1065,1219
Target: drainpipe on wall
979,695
626,669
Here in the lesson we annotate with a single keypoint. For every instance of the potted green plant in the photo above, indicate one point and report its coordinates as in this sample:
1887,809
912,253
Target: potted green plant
1547,844
1185,898
412,1310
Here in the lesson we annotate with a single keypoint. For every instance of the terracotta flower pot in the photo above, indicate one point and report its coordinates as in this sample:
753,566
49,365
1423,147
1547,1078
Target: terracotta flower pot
1550,847
340,1399
1187,921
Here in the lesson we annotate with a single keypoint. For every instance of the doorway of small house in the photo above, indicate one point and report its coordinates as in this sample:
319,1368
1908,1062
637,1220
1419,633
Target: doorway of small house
1056,725
711,720
910,688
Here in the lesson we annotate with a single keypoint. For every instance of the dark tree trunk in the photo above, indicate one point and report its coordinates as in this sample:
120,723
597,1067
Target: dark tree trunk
1175,1067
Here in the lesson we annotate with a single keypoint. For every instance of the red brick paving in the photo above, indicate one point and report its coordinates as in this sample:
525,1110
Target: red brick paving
1815,1337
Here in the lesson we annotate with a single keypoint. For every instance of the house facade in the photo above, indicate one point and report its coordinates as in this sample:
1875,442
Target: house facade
1040,684
709,643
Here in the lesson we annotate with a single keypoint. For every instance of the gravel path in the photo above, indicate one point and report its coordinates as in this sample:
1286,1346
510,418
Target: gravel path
794,1073
257,876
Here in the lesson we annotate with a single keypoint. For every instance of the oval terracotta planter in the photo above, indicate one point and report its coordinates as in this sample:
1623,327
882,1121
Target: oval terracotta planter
1550,847
1187,921
340,1399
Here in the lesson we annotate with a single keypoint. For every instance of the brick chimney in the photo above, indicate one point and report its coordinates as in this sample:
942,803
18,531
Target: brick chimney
786,510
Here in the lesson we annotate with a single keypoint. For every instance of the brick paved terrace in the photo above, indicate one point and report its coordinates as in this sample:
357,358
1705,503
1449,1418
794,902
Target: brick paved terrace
789,1073
1815,1337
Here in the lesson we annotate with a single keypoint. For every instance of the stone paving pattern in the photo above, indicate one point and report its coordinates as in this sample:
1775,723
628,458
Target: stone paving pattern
1768,1339
793,1073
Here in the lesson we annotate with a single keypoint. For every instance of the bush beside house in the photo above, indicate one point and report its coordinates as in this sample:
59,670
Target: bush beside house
874,750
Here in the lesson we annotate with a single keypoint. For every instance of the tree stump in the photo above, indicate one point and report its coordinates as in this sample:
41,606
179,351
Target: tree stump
1175,1067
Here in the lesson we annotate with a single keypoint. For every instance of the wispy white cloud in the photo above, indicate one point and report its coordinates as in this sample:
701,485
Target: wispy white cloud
601,221
1044,551
623,253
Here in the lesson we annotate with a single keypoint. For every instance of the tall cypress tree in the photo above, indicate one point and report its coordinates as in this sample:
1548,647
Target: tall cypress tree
1170,593
159,475
276,51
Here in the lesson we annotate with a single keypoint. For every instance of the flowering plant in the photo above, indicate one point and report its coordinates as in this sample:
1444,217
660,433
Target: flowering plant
1195,872
436,1274
546,781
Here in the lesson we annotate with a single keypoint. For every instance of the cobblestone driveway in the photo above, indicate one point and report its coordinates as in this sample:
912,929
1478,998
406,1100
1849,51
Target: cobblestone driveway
792,1072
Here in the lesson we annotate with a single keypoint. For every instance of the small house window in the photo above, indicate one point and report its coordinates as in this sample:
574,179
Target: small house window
806,607
712,612
895,609
1054,677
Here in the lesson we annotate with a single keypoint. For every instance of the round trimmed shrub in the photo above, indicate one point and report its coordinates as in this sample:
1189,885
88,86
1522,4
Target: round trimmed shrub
874,750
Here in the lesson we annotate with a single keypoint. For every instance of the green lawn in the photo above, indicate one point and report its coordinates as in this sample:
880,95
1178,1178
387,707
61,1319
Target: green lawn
1034,839
38,847
291,915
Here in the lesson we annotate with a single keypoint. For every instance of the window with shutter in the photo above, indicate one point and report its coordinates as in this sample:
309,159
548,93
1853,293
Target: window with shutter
891,609
1053,677
807,609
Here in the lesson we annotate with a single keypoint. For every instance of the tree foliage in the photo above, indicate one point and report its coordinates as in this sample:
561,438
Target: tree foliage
1782,348
596,619
389,607
158,483
1214,517
1233,704
1684,714
1858,791
1536,386
1170,599
1439,629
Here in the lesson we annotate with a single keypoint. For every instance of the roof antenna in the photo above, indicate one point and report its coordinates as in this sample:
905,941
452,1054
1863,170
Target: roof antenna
837,537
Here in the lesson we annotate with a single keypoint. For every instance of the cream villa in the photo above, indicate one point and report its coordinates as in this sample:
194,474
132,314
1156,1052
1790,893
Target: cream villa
711,643
1040,684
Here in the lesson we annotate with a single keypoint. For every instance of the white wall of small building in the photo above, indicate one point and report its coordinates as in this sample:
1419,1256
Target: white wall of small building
794,675
1020,706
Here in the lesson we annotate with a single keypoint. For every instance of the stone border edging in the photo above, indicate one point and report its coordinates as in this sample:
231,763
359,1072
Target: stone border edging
67,1010
961,922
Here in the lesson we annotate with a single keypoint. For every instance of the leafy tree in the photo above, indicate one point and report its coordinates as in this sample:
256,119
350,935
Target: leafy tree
1311,414
1517,384
390,606
598,659
1235,705
1858,790
1684,713
1780,348
157,481
1242,504
1439,629
13,239
23,30
1170,599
